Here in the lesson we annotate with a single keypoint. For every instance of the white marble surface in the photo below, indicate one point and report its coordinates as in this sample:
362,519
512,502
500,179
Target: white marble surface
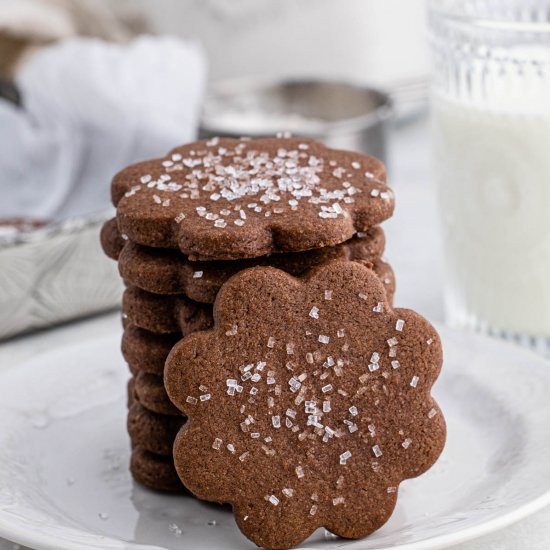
413,249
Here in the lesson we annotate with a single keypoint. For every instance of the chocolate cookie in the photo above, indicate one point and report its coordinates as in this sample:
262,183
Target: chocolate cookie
151,431
384,272
229,199
130,392
155,471
112,241
146,351
164,271
308,403
149,391
164,314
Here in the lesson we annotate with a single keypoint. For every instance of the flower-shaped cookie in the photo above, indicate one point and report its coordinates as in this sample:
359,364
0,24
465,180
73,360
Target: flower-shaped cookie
309,402
166,271
231,199
177,313
164,314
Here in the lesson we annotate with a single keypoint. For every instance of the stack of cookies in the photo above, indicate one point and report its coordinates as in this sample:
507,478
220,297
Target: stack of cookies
220,241
188,222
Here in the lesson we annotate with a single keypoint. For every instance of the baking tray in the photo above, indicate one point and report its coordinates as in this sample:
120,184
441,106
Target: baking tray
55,273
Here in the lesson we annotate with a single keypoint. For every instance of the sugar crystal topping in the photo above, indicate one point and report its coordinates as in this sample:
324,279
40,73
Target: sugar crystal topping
246,183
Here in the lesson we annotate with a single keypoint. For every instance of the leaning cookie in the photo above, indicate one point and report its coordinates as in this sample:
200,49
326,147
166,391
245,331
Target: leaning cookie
165,271
230,199
154,471
308,403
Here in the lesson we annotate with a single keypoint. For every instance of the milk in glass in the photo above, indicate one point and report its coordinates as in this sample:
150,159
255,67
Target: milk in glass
491,139
494,191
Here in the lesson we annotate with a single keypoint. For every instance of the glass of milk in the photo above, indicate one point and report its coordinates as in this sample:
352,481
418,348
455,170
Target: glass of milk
491,137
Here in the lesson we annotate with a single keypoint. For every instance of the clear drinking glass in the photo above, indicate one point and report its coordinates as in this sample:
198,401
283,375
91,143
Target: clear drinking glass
491,136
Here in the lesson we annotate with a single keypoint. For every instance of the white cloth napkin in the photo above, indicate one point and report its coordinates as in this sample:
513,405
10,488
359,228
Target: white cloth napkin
89,109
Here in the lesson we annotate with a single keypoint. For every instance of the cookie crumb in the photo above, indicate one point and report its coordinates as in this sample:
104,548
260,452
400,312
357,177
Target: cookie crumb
175,530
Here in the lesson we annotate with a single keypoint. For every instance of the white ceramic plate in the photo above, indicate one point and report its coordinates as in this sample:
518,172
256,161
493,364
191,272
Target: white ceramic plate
64,452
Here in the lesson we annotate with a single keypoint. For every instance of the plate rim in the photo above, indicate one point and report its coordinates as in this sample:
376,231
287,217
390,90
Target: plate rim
44,541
